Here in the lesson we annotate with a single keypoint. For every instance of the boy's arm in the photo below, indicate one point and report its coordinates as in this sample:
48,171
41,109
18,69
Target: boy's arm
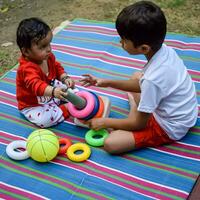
131,85
137,121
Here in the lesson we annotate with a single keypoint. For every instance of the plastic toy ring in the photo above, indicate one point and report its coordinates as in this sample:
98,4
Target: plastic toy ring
71,152
101,108
96,107
88,108
12,152
66,142
96,138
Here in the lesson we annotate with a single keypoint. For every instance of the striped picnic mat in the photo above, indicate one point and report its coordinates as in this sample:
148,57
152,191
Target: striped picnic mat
167,172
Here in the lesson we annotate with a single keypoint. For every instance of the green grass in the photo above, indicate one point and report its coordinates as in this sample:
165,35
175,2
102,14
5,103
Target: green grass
3,63
173,3
7,61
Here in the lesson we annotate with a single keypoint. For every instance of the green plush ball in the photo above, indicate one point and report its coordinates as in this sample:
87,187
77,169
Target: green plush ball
42,145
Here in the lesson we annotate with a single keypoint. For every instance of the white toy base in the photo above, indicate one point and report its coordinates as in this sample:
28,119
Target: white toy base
106,112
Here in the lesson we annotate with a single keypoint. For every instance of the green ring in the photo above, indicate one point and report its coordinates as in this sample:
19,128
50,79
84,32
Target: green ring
97,142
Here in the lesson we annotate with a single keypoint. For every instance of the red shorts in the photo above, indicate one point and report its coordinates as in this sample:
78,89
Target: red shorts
151,136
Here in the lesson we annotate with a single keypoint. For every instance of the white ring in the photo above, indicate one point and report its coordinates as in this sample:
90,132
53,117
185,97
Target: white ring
17,155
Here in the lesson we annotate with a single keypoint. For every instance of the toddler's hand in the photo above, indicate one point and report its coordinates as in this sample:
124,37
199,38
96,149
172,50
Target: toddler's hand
70,83
59,93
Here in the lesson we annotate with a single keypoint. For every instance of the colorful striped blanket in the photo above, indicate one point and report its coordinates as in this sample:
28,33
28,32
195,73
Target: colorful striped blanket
167,172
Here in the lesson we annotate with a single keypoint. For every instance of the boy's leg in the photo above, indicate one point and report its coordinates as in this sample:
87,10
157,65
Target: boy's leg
120,141
133,96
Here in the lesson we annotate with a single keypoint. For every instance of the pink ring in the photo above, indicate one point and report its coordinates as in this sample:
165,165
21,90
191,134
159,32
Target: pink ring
88,108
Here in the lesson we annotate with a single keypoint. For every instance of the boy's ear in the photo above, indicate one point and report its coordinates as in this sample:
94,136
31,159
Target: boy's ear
145,49
25,51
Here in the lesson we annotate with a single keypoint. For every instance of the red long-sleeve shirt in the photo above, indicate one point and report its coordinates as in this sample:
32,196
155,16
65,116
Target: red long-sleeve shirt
32,82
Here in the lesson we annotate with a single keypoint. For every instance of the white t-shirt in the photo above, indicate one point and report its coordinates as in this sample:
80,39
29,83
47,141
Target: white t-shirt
168,92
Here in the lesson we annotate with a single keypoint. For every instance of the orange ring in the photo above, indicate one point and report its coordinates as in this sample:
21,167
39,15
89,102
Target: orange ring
101,108
66,142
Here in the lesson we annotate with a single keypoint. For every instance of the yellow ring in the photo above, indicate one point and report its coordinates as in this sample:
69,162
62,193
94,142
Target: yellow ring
78,147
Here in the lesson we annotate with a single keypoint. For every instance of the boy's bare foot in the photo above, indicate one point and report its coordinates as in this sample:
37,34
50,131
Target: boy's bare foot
132,103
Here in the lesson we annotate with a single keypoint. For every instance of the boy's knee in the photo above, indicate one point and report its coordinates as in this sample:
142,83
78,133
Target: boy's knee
109,146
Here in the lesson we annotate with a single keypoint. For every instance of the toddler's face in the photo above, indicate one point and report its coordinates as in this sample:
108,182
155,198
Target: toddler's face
40,50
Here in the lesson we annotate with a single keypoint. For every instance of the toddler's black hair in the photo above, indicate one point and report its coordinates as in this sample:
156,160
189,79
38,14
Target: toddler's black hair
31,30
142,23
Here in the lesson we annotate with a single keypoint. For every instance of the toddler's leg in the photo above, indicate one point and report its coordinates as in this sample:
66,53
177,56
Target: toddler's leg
59,84
119,141
45,115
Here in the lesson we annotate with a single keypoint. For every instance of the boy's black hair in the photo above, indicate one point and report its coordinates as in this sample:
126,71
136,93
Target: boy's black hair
142,23
31,30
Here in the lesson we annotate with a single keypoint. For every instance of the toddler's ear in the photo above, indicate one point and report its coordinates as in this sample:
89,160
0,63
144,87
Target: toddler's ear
24,51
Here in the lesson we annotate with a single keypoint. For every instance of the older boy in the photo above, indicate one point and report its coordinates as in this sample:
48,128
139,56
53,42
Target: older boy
163,104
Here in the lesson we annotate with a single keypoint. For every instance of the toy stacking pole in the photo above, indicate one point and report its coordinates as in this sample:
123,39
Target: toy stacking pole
76,100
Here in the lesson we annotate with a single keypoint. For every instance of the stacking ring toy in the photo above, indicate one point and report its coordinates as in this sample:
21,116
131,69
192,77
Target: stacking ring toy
96,107
66,142
71,152
12,152
96,138
87,109
101,108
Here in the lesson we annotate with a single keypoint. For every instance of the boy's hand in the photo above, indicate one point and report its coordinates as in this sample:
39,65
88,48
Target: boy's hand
89,80
96,123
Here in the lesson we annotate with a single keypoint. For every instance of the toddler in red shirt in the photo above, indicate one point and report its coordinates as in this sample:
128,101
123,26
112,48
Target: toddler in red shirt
41,80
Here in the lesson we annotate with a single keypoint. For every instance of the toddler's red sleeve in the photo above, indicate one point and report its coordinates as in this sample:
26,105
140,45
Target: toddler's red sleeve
33,79
60,69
